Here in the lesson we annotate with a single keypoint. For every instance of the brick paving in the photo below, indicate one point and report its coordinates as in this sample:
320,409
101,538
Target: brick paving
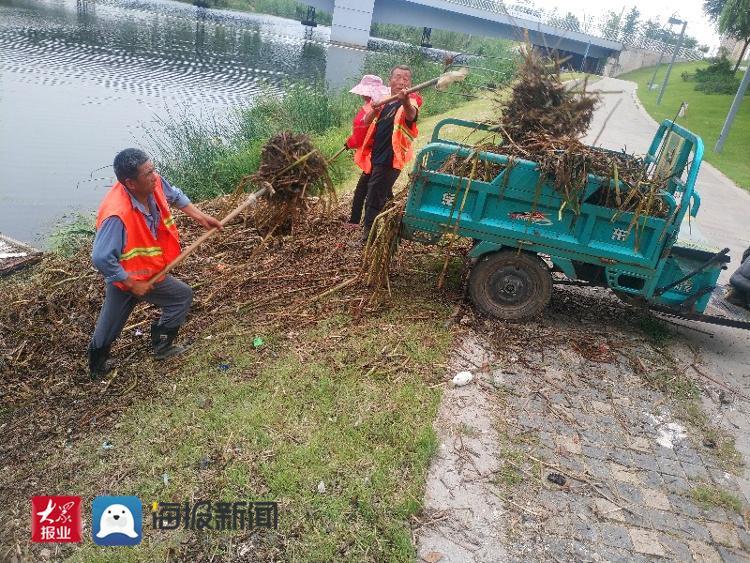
566,394
626,497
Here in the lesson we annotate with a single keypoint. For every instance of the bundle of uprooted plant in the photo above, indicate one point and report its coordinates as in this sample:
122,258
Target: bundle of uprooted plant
541,122
296,170
382,244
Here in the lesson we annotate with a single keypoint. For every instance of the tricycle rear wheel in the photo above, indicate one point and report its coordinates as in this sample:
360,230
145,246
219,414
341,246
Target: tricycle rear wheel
510,285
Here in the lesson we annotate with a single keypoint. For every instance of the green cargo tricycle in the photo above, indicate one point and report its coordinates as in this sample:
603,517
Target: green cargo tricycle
522,233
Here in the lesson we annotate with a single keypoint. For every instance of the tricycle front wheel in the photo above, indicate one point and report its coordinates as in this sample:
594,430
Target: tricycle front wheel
510,285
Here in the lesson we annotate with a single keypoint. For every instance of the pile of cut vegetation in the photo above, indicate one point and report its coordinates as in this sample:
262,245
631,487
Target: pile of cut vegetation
542,121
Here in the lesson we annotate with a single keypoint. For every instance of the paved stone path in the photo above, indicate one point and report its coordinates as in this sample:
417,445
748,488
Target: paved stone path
566,395
722,220
631,470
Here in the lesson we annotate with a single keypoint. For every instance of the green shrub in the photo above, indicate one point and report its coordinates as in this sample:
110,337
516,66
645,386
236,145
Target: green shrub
720,68
719,85
716,78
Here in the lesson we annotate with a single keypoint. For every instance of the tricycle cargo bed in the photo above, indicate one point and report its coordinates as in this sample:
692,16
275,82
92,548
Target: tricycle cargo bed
514,209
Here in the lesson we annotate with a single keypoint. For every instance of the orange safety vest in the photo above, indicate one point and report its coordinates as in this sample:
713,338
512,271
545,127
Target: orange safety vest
403,136
143,255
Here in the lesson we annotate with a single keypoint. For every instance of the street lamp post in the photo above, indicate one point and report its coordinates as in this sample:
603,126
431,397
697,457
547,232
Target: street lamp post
733,111
661,56
658,64
661,53
674,56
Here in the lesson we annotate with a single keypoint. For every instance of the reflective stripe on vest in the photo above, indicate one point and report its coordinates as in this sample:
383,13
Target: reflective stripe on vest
143,255
141,251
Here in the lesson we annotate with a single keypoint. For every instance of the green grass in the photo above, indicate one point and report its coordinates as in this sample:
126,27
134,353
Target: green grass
276,424
705,116
709,496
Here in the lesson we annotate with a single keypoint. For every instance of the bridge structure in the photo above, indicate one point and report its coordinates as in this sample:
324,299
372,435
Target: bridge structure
352,20
586,44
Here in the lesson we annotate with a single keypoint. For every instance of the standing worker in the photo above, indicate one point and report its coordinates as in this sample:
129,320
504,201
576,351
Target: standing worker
371,89
387,146
136,237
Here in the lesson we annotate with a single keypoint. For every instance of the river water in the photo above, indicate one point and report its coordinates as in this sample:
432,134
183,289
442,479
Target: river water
80,80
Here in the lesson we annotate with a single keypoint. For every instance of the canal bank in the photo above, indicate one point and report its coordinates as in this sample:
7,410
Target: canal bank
82,80
233,421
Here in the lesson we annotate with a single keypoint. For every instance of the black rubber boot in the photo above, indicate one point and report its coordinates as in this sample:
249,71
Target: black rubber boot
162,340
736,297
99,364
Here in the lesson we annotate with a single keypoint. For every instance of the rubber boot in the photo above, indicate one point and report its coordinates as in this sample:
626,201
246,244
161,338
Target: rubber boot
99,363
736,297
162,340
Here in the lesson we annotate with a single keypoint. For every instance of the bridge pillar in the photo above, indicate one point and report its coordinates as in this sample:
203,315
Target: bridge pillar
344,66
351,21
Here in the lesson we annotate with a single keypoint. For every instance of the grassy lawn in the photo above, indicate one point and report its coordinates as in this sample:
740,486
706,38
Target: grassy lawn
705,116
333,420
347,403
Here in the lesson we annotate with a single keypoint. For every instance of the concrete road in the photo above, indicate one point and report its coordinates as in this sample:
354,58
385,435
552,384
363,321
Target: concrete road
724,221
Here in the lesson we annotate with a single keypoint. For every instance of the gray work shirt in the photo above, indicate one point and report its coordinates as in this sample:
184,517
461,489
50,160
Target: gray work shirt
111,236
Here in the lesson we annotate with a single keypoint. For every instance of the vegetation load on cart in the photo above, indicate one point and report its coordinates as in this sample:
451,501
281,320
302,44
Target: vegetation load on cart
542,122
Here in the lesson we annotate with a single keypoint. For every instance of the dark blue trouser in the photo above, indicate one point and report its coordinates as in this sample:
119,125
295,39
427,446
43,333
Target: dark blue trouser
172,296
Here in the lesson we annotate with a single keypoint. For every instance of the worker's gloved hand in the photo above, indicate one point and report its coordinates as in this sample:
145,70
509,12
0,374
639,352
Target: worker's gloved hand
347,147
138,288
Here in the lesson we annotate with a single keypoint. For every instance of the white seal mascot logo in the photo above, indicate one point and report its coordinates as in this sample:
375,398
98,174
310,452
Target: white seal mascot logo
117,519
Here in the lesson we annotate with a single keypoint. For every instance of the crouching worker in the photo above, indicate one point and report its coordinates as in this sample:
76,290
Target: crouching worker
739,293
136,237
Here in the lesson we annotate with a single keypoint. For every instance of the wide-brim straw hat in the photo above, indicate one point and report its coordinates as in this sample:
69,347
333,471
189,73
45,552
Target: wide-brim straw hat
371,86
